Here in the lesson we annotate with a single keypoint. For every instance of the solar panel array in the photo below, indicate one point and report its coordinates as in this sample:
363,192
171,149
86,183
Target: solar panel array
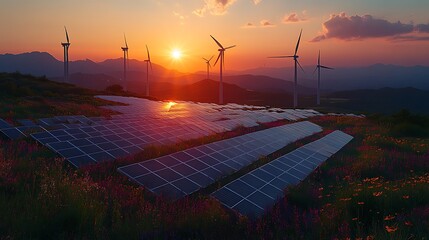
259,189
14,133
228,116
109,139
84,140
182,173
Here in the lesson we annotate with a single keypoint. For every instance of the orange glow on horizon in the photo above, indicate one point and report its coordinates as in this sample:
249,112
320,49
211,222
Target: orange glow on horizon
178,38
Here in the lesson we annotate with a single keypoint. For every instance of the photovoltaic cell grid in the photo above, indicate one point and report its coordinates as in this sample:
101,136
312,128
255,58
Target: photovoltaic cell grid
23,131
109,139
182,173
84,140
259,189
228,116
29,127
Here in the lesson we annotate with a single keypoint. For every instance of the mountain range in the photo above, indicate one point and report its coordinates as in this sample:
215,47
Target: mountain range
352,78
98,75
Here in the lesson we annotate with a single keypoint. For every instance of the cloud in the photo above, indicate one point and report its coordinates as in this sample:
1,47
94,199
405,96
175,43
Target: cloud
256,2
199,12
249,25
423,28
214,7
266,23
406,38
180,17
262,24
357,27
293,18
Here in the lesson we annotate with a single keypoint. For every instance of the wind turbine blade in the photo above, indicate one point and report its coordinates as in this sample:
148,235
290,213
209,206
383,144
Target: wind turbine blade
218,43
315,70
297,44
230,47
205,60
126,44
326,67
217,58
281,57
148,55
300,65
67,35
211,58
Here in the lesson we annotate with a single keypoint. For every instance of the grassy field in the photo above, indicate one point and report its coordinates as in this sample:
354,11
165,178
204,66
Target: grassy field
377,187
25,96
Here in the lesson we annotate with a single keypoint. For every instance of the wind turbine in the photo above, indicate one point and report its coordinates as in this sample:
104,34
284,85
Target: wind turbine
148,62
222,65
66,46
125,49
208,66
295,58
318,67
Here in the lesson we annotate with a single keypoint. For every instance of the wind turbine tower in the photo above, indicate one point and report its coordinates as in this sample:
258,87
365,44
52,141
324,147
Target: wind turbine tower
295,58
66,46
208,66
148,62
221,56
125,49
318,67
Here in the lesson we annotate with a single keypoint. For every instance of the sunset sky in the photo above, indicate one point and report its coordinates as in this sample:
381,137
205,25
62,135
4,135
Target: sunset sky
349,33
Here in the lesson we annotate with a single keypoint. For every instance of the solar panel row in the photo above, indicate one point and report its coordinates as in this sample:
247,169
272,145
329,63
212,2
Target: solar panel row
4,124
84,140
259,189
206,111
182,173
109,139
12,133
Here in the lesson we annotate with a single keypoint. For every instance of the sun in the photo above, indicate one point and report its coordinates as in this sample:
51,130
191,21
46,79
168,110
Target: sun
176,54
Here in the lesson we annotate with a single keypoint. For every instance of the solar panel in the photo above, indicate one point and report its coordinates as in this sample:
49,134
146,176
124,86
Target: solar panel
189,170
12,133
143,122
4,124
259,189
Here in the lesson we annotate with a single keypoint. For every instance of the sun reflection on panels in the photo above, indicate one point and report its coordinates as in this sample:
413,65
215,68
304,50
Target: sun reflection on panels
87,140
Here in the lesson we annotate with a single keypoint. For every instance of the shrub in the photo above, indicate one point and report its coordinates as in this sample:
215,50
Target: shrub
116,88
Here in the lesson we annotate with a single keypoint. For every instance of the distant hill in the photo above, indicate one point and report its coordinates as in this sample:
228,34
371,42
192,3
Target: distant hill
208,91
384,100
258,79
266,84
369,77
42,63
35,63
91,81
